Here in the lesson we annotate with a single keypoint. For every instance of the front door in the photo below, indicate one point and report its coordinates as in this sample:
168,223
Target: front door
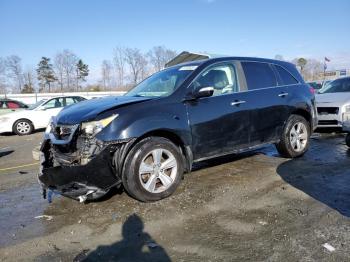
220,123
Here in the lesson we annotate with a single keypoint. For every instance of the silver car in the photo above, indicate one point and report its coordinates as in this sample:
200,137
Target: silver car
333,104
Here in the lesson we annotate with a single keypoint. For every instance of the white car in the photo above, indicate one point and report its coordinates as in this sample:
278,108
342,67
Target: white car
35,117
333,104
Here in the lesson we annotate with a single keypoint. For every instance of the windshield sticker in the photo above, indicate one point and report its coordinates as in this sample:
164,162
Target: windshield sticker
187,68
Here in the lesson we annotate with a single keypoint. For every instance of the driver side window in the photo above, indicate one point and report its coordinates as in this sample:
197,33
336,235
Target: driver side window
221,77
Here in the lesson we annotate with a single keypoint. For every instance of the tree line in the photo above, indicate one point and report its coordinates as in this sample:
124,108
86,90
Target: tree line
67,72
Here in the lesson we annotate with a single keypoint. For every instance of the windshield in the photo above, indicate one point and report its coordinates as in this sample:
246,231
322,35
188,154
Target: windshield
336,86
162,83
31,107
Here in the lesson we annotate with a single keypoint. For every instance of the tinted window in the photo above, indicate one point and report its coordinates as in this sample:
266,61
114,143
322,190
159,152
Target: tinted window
12,105
337,86
222,78
258,75
286,77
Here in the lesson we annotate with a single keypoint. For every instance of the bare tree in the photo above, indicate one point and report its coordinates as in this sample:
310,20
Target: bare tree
159,56
106,70
29,81
14,70
119,64
137,64
59,69
3,82
65,69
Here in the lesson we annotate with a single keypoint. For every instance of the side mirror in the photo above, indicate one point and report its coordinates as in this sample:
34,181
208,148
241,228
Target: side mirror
204,92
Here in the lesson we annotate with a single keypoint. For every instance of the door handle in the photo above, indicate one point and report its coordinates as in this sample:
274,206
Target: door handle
237,102
283,94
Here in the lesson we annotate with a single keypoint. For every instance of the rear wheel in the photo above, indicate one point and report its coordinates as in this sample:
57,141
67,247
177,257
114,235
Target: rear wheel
295,139
153,169
23,127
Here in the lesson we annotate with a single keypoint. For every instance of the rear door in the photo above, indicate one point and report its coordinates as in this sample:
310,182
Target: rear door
220,123
269,99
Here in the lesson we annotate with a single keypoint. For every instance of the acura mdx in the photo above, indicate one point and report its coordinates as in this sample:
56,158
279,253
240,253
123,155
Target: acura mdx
147,139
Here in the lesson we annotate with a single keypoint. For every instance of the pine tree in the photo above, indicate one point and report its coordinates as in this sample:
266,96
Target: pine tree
82,72
45,73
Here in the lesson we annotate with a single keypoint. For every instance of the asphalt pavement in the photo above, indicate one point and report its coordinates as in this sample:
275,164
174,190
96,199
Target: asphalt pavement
255,206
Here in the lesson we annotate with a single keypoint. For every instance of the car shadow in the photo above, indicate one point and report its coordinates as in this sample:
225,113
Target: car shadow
327,181
136,245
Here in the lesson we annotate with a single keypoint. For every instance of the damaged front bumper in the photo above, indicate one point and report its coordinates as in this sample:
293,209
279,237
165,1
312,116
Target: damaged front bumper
79,167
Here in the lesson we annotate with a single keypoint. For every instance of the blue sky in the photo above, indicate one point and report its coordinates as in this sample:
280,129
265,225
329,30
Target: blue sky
91,29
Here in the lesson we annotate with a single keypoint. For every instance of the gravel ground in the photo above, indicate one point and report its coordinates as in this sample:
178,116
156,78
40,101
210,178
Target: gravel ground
250,207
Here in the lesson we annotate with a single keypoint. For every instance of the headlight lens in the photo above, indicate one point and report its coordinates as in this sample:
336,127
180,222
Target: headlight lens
92,128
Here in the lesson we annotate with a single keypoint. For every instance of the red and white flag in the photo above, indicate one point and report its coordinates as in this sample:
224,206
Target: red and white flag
326,59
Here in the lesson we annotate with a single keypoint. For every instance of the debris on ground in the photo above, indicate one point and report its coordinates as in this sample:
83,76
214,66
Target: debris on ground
264,223
329,247
48,218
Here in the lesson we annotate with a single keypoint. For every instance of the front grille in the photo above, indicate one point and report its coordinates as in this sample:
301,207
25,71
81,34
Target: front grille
328,110
328,122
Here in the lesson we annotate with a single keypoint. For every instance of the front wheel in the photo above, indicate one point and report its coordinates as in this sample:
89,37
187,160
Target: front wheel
295,139
153,169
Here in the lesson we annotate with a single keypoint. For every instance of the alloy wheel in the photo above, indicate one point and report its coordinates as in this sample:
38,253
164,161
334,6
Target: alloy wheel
158,170
298,136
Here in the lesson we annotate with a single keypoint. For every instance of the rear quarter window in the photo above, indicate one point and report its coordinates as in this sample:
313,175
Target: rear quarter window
285,76
259,75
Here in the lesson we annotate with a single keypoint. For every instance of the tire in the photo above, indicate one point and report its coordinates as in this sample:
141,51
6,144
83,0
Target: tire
347,140
293,143
150,182
23,127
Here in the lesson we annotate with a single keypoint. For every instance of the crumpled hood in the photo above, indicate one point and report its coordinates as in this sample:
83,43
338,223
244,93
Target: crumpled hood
334,98
89,109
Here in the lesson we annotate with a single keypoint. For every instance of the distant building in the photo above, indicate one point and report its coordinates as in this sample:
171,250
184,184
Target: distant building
334,74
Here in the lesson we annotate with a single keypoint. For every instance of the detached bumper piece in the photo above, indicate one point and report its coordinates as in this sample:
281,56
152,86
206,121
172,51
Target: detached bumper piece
81,182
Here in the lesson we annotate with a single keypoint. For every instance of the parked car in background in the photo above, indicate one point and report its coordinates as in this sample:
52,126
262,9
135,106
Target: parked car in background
146,139
333,104
9,105
36,116
315,85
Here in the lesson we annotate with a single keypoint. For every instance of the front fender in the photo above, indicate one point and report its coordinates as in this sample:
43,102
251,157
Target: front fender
136,122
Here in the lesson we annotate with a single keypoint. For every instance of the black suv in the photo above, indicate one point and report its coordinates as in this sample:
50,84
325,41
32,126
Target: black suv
147,139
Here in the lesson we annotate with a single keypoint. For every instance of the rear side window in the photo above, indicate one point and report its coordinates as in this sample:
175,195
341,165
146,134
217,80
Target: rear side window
286,77
259,75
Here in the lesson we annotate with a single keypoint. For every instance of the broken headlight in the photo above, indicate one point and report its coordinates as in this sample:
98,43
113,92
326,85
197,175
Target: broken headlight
92,128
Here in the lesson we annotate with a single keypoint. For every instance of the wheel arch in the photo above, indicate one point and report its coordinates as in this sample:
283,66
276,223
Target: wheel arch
304,113
174,138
